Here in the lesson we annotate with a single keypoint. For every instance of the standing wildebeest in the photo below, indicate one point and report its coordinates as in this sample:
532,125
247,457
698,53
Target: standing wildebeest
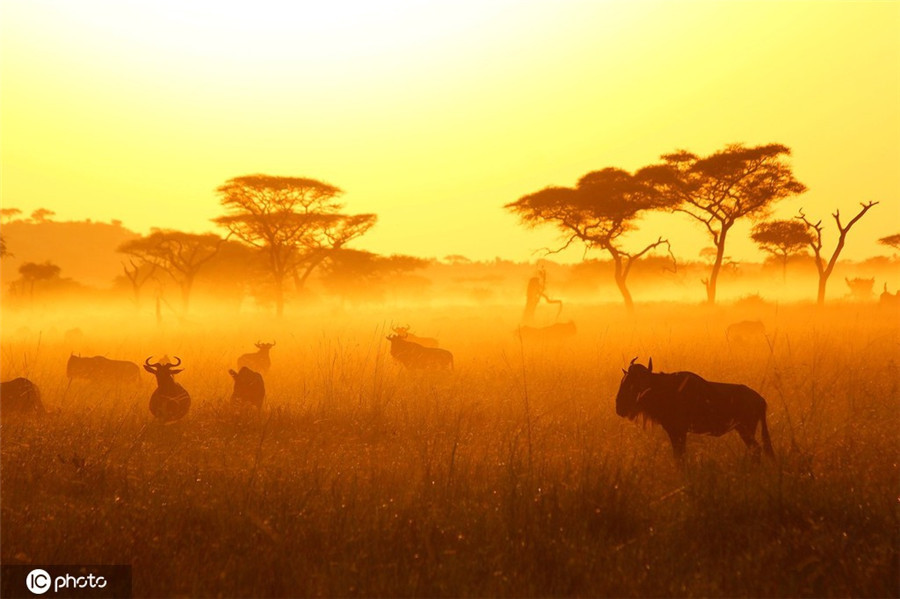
248,387
102,370
888,299
403,333
259,360
170,401
20,396
415,357
555,332
745,331
683,402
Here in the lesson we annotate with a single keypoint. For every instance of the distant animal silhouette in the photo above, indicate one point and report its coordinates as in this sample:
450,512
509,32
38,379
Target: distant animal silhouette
403,333
683,402
745,331
249,387
259,360
415,357
170,401
98,369
888,299
555,332
20,396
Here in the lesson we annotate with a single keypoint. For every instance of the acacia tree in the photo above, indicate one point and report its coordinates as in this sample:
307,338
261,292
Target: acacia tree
294,221
719,189
181,255
32,272
783,239
597,212
815,230
892,241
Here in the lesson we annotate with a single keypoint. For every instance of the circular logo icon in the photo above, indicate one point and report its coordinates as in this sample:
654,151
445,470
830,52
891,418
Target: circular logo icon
38,581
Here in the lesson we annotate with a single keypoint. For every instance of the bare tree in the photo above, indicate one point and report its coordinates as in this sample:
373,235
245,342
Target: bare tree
597,212
719,189
138,275
782,239
815,230
294,221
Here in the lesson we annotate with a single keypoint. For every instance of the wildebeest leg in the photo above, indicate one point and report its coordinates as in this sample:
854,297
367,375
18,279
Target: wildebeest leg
679,441
748,434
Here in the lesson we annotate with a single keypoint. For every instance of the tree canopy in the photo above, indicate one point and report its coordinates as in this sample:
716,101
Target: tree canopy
717,190
295,221
597,212
782,239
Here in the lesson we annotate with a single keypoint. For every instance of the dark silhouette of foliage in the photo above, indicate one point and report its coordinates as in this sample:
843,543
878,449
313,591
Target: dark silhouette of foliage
8,213
181,255
365,275
825,269
32,272
892,241
721,188
4,252
782,239
42,215
295,221
597,212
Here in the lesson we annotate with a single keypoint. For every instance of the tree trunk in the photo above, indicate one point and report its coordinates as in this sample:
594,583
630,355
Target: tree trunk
621,276
820,296
717,266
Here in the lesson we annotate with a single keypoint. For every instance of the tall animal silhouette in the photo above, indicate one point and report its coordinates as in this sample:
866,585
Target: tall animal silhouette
259,360
683,402
249,387
20,396
403,333
415,357
170,401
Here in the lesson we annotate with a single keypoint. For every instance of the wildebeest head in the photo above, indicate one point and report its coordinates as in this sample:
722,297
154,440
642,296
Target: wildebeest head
248,386
163,371
635,382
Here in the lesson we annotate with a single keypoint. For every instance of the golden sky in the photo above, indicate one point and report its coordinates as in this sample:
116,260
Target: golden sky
435,114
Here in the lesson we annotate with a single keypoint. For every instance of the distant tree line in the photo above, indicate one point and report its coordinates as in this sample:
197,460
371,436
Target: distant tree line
716,191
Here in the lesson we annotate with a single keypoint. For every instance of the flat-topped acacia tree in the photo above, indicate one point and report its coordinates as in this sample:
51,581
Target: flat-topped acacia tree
295,221
602,207
719,189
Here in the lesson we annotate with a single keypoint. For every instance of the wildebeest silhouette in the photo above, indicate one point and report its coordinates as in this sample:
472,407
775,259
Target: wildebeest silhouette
888,299
684,402
403,333
249,387
170,401
98,369
259,360
20,396
415,357
558,331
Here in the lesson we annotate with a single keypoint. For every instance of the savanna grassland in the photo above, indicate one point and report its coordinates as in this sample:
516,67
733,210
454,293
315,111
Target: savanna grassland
510,476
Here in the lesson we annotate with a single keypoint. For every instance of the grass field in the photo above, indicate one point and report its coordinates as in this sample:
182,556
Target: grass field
511,476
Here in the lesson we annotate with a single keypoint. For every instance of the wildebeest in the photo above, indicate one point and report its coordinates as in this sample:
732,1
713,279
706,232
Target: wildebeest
170,401
555,332
98,369
248,387
259,360
20,396
415,357
403,333
683,402
745,331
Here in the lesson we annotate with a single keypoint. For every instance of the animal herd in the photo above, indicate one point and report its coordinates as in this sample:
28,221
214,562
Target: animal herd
679,402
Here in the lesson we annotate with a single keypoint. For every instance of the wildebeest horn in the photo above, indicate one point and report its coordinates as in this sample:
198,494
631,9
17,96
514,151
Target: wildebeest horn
178,363
147,362
632,361
650,365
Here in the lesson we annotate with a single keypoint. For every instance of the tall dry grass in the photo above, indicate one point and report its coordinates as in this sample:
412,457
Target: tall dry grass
512,476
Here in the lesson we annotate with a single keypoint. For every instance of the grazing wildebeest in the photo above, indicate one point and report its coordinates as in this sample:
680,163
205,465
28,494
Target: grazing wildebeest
102,370
259,360
554,332
248,387
683,402
20,396
415,357
170,401
403,333
745,331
